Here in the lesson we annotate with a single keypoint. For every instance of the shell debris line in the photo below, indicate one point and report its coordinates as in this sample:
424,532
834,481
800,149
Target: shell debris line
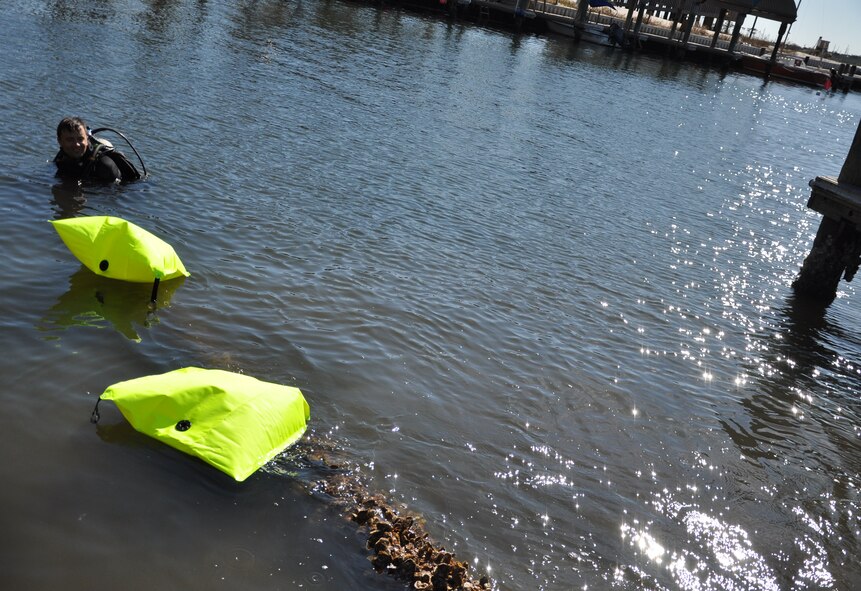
399,544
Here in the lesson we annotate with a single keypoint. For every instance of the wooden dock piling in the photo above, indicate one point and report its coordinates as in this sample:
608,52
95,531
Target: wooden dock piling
836,250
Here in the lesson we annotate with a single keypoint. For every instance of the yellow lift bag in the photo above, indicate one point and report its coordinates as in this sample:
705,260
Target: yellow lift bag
115,248
232,421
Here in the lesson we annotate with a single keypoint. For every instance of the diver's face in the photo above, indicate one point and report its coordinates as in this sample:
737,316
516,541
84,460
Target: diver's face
73,143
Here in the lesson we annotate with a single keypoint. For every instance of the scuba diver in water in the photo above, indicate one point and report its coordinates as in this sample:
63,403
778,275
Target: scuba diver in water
83,156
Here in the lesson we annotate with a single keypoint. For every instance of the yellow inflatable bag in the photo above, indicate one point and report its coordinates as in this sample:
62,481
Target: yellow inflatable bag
115,248
231,421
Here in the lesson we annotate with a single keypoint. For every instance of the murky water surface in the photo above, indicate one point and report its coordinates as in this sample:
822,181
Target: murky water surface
538,293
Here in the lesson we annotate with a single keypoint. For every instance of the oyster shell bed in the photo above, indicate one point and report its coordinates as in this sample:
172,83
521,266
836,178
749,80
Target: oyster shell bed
400,546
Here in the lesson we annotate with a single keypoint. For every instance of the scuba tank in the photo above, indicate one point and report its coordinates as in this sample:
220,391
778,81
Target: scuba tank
106,148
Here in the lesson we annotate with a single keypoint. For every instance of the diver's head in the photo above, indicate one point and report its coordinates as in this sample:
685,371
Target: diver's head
72,137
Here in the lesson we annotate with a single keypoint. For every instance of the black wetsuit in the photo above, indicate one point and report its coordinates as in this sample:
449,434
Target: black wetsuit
92,166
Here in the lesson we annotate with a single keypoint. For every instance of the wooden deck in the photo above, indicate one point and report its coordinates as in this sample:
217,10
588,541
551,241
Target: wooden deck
836,201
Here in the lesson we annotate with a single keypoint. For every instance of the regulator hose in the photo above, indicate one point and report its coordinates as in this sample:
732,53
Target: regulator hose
95,131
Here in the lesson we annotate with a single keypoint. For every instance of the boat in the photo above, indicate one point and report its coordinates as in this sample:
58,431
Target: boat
796,73
608,35
591,32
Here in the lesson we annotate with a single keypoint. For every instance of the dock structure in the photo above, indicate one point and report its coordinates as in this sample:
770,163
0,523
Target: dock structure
836,249
697,30
716,16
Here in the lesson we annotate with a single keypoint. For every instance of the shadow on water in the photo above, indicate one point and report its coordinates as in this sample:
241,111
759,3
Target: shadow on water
807,341
267,18
789,429
70,10
160,15
119,433
165,20
95,301
795,414
797,353
604,57
68,199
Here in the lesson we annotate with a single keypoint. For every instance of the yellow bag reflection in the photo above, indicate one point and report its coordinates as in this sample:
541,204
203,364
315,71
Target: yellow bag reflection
115,248
234,422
